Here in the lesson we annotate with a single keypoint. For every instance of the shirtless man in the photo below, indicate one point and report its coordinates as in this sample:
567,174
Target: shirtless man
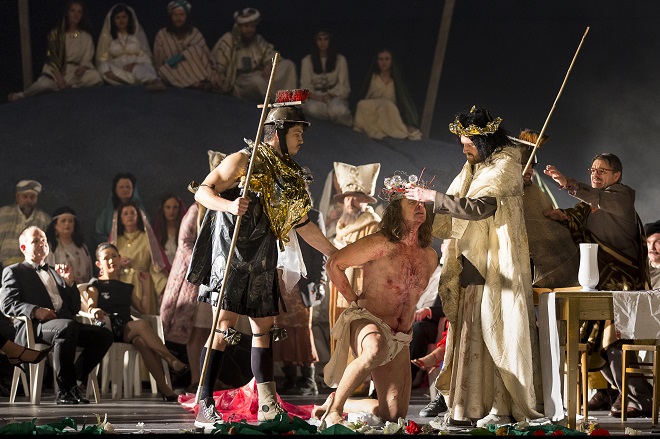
398,262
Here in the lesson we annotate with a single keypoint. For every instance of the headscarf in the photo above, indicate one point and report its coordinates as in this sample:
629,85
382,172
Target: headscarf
176,4
105,38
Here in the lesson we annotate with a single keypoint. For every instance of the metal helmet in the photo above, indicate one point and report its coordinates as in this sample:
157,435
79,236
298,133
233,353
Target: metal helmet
278,116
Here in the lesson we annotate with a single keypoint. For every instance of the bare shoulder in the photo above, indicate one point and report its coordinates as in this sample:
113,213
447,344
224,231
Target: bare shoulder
228,171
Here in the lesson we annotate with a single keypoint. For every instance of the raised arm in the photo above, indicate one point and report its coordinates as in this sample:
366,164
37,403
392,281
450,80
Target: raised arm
358,253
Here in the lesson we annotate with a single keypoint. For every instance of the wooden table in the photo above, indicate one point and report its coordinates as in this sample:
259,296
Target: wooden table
573,306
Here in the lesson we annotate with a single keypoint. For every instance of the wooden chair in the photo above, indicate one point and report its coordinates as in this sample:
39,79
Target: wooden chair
646,369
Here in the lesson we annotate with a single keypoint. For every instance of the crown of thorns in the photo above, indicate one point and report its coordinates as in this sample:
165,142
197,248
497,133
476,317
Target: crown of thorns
396,185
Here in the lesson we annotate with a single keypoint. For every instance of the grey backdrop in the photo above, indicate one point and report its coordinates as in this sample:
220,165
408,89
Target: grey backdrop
509,56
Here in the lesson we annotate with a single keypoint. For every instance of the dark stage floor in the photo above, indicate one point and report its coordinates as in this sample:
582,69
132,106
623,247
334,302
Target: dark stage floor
157,417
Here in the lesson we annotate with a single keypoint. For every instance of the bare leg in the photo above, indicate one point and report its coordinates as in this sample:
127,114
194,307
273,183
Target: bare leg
371,349
154,366
142,329
194,347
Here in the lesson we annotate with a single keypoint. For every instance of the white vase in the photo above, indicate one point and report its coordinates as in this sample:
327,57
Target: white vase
588,273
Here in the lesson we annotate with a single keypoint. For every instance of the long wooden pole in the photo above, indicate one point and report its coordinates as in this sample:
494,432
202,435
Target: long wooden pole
230,256
538,141
436,69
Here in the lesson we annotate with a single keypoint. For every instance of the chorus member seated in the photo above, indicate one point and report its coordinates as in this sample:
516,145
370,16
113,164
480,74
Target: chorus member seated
141,255
123,55
325,73
124,189
243,58
50,298
181,55
385,108
14,218
167,222
69,58
109,296
67,244
398,262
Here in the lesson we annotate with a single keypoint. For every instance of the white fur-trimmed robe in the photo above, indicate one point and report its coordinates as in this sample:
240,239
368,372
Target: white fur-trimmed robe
491,326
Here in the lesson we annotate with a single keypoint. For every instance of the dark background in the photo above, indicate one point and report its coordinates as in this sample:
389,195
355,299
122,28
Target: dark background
510,56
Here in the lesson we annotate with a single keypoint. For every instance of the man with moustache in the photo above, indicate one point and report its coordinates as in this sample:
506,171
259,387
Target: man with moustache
244,60
606,216
15,218
358,219
652,231
50,297
491,368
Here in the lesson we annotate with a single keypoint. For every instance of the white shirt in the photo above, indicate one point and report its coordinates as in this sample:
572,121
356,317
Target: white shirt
51,287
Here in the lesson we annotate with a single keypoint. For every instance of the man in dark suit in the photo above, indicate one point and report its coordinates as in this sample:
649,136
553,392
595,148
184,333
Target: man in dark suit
50,297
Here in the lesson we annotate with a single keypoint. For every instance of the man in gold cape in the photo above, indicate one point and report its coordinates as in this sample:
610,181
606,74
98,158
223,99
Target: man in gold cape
491,371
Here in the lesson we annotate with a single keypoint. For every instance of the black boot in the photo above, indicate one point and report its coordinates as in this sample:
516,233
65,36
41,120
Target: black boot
307,384
290,380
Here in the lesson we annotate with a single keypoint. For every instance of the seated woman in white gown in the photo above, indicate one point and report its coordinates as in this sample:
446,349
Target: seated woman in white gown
68,57
386,108
123,55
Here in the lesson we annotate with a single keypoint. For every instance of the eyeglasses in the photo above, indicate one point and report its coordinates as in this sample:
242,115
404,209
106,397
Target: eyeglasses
599,171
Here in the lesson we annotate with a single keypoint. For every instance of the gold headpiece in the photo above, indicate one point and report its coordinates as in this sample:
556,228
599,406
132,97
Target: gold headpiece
396,185
457,128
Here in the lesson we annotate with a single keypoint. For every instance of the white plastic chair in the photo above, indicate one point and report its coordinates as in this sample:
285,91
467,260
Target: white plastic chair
36,371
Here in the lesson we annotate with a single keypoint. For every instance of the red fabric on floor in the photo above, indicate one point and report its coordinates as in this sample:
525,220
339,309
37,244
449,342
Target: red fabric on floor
242,403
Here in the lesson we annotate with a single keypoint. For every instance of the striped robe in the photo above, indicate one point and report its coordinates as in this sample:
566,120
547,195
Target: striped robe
195,67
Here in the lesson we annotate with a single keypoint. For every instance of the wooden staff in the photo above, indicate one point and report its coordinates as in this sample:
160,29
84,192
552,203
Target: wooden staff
538,141
230,256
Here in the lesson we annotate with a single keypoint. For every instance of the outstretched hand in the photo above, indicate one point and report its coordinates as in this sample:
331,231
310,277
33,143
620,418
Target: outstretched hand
557,176
420,194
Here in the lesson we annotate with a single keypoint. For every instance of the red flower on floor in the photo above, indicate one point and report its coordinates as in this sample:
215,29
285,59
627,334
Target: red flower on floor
557,433
599,432
413,428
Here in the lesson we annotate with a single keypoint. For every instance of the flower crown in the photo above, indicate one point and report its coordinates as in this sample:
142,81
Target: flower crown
457,127
396,185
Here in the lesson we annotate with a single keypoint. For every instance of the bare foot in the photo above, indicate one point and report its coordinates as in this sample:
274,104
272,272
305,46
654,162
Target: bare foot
319,410
333,417
13,97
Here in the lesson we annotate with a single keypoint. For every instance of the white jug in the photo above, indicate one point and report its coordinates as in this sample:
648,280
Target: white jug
588,274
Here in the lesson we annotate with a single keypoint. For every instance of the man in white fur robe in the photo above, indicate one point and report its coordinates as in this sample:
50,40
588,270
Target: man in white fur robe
491,371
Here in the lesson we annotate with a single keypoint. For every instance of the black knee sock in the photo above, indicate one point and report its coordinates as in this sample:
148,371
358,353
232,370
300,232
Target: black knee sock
262,364
212,371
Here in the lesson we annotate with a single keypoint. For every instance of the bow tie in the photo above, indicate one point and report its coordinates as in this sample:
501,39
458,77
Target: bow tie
41,267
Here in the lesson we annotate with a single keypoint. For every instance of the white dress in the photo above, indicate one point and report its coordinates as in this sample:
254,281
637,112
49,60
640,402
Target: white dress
112,55
377,114
79,52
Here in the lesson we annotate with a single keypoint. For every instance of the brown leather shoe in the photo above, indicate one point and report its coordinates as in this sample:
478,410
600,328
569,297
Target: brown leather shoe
600,401
631,412
616,406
